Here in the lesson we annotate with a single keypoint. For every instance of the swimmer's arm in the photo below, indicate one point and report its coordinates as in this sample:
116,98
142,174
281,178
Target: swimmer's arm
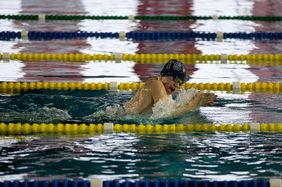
145,99
158,91
138,107
152,92
208,99
194,103
200,99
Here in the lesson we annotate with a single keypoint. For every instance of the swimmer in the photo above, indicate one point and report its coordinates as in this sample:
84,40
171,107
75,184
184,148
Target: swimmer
159,89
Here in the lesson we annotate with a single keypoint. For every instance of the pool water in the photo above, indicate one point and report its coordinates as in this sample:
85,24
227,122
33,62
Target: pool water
213,156
49,106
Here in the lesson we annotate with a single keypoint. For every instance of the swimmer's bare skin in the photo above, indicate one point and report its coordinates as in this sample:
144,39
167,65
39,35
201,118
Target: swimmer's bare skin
159,89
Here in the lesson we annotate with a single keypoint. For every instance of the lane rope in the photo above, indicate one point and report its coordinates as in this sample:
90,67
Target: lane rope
141,36
51,17
257,87
83,128
250,59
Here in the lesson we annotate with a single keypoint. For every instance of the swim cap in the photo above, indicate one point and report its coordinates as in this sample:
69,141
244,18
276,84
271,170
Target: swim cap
175,69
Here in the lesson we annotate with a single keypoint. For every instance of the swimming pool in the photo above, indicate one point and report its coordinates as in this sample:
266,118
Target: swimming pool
193,155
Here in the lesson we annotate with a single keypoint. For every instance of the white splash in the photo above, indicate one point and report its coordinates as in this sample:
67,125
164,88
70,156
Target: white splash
111,112
44,114
165,108
161,109
185,96
50,114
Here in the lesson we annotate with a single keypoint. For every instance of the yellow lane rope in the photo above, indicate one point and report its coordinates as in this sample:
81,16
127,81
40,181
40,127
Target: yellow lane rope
67,128
260,87
251,59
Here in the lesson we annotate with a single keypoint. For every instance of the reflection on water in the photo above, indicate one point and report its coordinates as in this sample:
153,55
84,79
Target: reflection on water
166,7
220,156
33,71
267,73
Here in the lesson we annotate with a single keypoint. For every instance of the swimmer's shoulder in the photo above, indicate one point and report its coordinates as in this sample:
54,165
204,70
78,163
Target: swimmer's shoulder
154,83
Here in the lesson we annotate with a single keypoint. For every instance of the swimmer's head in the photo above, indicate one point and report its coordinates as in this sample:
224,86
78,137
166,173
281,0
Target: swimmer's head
176,70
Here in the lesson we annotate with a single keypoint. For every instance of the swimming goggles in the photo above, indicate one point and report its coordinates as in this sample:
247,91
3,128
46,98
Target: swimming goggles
178,81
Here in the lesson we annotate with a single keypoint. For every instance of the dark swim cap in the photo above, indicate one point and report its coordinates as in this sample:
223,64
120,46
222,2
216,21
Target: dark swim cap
175,69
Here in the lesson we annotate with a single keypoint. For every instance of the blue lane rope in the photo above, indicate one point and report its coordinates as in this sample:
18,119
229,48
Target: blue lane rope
137,183
37,35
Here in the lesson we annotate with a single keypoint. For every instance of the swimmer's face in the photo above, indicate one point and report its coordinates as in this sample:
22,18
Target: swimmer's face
170,85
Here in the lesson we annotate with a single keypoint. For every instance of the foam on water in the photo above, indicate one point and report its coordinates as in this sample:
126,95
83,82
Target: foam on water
44,114
165,108
115,111
185,96
161,109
